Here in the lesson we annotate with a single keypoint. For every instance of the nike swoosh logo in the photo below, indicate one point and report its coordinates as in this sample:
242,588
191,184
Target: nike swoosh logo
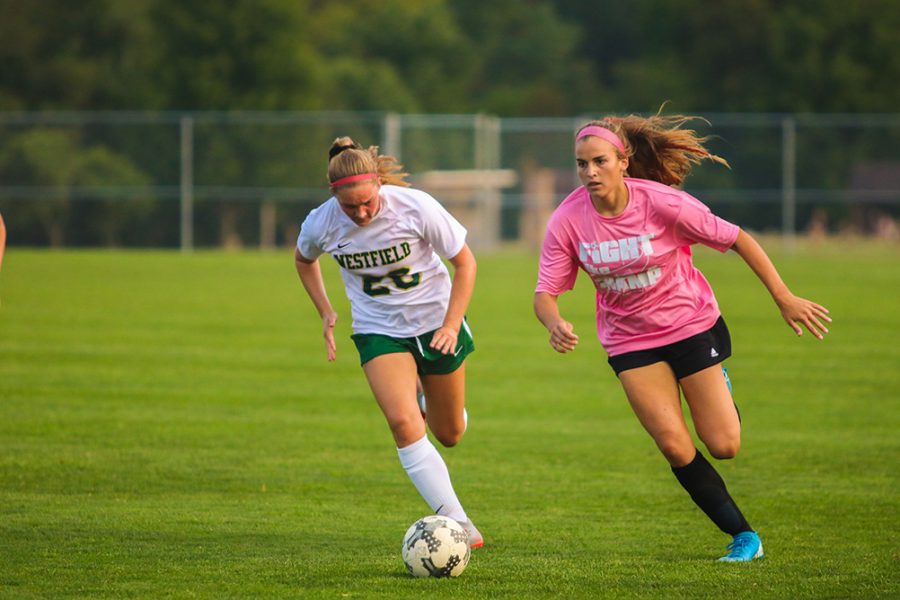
344,245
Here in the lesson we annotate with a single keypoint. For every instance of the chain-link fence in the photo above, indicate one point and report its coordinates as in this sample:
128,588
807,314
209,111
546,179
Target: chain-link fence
236,179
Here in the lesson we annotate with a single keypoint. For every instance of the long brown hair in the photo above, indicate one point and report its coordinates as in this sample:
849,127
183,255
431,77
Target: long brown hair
657,147
347,158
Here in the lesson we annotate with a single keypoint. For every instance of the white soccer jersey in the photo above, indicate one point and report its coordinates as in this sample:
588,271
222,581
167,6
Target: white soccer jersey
391,267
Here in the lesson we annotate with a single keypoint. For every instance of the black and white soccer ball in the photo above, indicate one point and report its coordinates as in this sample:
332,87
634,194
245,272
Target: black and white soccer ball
435,546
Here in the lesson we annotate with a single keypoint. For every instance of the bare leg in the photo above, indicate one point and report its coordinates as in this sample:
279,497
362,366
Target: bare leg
713,412
446,402
656,400
392,378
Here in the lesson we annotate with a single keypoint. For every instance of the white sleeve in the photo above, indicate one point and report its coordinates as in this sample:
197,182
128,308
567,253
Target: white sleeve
308,242
440,229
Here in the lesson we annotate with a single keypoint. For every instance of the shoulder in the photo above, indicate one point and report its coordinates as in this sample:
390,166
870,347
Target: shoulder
574,202
324,210
417,208
569,208
653,189
320,217
658,197
405,193
407,197
575,198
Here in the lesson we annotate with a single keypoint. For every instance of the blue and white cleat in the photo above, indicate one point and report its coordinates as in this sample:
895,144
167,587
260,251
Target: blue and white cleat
744,547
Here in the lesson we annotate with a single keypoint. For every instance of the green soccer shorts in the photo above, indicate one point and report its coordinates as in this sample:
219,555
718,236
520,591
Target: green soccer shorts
428,360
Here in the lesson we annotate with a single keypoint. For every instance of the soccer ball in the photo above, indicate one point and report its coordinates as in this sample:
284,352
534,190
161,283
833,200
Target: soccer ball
435,546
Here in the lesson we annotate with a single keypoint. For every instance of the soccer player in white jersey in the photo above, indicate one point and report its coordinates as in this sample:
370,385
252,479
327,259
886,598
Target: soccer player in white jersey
408,313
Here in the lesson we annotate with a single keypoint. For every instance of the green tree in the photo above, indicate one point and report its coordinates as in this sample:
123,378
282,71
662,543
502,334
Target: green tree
745,55
397,55
525,60
38,157
74,55
105,220
57,161
250,54
835,57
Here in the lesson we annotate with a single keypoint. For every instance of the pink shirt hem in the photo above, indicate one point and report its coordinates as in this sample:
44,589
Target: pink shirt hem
648,292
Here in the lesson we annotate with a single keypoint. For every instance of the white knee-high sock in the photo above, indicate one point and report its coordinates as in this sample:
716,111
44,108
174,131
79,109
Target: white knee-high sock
429,474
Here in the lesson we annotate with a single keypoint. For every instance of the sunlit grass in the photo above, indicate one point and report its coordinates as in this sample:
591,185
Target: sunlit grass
169,427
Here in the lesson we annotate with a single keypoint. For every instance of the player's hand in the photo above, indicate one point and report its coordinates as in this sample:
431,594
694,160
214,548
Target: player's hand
799,311
328,322
444,340
562,337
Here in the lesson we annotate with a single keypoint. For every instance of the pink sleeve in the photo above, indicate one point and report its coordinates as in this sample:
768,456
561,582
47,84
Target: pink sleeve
695,223
558,268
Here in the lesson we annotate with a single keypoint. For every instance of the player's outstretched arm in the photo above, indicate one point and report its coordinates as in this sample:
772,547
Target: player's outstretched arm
795,310
562,333
2,239
464,268
311,277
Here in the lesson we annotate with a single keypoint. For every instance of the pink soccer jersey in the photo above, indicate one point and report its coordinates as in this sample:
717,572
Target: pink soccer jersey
649,293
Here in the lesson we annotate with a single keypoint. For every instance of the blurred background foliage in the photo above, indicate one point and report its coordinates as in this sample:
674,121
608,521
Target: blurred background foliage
503,57
248,72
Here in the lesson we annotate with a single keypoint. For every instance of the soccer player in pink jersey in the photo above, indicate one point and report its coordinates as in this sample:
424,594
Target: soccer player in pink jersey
657,316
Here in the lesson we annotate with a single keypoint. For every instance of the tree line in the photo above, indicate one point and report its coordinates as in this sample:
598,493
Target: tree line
510,58
503,57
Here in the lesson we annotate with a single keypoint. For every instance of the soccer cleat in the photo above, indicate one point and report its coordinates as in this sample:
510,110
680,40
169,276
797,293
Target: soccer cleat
475,538
744,547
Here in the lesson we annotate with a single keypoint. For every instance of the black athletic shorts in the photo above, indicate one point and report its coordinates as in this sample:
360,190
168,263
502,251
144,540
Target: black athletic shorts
685,357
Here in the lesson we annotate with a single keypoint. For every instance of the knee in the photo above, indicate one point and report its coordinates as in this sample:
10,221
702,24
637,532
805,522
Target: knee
406,430
449,436
448,431
677,450
724,448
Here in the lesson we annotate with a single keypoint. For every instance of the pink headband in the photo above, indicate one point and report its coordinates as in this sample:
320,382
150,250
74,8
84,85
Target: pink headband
604,134
353,178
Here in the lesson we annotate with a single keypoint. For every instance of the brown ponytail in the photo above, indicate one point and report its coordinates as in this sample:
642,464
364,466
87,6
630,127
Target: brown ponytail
658,148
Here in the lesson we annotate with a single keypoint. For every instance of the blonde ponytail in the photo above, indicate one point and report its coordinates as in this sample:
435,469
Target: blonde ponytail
346,158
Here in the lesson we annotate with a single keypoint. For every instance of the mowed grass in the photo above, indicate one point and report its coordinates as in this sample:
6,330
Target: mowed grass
169,427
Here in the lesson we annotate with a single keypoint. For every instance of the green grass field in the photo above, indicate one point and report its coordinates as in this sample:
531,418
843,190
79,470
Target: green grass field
170,428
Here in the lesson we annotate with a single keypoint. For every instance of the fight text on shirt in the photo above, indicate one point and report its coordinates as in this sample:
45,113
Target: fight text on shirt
602,259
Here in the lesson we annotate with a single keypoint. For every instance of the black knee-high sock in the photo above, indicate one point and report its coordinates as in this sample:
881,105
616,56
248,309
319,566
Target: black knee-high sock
708,491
